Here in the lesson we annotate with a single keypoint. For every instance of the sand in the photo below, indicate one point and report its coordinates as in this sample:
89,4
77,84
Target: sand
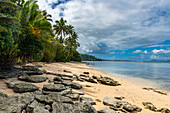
133,93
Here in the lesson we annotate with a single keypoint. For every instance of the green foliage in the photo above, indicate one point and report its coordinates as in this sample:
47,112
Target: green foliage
76,56
86,57
60,55
29,46
8,46
49,51
26,35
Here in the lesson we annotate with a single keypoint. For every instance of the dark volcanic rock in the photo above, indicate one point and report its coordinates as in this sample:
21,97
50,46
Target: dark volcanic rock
36,79
3,95
57,78
36,107
92,80
67,78
75,97
24,87
77,92
107,81
49,99
88,100
67,71
15,103
36,72
66,91
9,85
107,110
72,84
150,106
85,72
110,101
66,100
73,108
54,87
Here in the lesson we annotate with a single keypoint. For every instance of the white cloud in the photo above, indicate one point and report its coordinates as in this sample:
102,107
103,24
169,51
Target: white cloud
138,52
120,25
145,52
161,51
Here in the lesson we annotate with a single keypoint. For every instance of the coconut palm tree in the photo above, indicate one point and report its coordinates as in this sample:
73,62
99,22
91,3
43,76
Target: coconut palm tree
60,28
8,10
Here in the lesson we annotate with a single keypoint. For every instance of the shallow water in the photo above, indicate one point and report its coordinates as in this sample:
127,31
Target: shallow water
156,75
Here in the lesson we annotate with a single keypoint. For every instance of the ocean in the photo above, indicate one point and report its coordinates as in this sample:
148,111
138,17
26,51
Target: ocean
155,75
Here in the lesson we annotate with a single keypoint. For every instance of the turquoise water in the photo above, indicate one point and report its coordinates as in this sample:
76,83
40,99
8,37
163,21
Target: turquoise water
156,75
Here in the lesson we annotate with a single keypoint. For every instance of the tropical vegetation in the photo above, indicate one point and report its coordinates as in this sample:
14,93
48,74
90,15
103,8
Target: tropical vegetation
27,35
86,57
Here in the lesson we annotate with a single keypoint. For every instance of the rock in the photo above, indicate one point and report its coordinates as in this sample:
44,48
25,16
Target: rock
2,77
36,72
98,100
66,100
75,97
136,108
24,87
54,87
128,107
58,82
3,95
67,91
36,107
88,86
67,78
67,71
94,77
107,81
85,72
49,99
57,78
15,103
22,78
72,108
110,101
51,73
39,109
119,98
9,85
150,106
64,75
106,110
36,79
37,92
77,92
164,110
21,74
50,81
92,80
48,107
84,75
24,111
29,68
72,84
88,100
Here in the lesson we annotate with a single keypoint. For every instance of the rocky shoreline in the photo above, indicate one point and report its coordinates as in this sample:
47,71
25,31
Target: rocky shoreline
58,96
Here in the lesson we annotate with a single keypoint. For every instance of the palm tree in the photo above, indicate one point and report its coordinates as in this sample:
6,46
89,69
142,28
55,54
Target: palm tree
7,12
60,28
46,16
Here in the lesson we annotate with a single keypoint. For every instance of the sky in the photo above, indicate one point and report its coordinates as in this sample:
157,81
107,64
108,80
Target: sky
117,29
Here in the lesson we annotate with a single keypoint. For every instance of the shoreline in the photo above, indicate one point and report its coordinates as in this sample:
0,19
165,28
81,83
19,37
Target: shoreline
135,80
133,93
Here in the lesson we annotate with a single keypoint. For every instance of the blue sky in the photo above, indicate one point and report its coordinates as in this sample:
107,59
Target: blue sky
117,29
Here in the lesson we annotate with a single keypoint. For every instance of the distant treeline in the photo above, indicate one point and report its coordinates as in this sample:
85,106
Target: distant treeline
86,57
27,35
